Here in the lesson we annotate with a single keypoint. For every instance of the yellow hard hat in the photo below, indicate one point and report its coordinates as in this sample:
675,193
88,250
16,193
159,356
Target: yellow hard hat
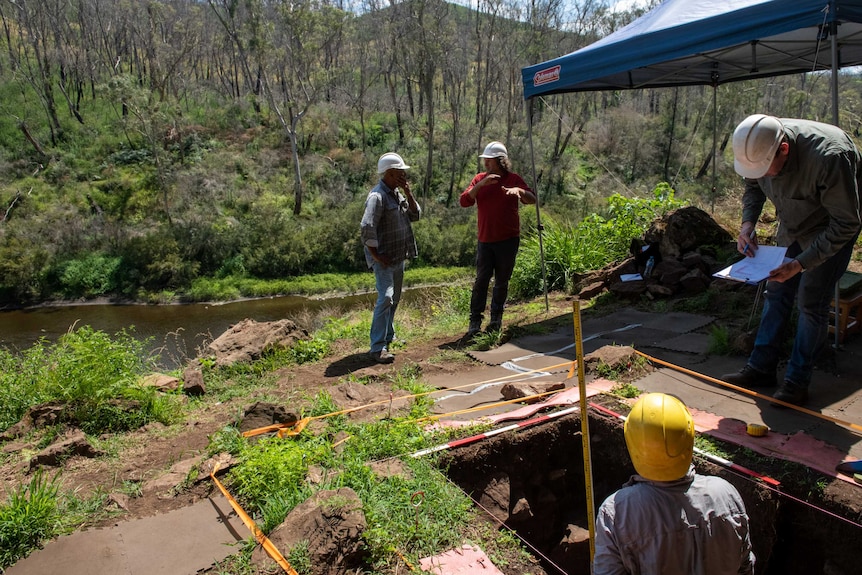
659,435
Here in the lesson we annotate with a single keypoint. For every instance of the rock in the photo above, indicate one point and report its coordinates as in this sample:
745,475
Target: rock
193,380
390,468
118,501
73,443
261,414
223,460
494,496
695,281
659,290
614,356
161,382
520,390
36,417
669,271
573,550
521,511
249,340
592,290
685,230
164,485
629,290
331,523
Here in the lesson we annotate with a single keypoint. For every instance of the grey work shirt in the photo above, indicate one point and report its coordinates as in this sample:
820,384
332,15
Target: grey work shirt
386,225
694,526
816,194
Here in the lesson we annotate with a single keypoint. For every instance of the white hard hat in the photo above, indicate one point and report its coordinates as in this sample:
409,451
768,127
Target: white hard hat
494,150
755,141
390,161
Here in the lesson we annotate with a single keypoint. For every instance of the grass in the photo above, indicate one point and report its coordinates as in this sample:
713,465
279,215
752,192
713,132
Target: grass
92,374
235,287
271,477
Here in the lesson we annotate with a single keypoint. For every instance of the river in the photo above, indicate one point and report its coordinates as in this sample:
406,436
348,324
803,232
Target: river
175,332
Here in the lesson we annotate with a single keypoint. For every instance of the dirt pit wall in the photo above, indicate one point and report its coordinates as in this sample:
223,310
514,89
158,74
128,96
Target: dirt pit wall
533,480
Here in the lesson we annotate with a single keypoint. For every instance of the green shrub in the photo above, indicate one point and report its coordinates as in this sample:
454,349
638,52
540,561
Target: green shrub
90,276
595,242
92,374
29,516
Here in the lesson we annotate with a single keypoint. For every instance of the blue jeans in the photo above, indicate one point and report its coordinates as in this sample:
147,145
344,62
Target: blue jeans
497,259
813,290
389,281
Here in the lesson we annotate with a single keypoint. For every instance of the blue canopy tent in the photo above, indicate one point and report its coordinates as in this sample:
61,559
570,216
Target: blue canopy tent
696,42
705,42
708,42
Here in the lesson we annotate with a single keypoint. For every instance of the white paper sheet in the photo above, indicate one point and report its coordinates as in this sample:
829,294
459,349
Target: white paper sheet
756,269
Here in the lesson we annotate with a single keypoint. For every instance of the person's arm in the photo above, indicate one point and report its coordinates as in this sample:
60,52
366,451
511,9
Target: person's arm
607,559
468,196
839,195
413,209
753,199
369,227
522,190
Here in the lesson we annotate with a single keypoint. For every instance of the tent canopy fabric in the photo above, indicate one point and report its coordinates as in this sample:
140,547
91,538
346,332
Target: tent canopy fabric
697,42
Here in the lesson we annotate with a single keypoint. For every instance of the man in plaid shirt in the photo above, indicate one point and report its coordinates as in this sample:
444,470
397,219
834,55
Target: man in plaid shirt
387,235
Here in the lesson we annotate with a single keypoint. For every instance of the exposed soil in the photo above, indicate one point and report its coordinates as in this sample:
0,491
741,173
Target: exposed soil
150,452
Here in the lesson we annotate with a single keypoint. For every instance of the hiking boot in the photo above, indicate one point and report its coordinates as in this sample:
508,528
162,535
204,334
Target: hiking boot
790,393
475,327
496,323
381,356
749,377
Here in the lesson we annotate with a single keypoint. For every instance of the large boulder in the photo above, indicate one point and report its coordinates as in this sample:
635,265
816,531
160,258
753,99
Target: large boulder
684,230
331,524
249,340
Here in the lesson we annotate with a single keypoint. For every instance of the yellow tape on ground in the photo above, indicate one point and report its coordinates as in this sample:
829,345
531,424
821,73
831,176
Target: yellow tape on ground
264,541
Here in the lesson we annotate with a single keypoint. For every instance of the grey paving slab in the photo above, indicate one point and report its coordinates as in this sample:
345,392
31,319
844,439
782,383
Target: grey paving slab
180,542
677,322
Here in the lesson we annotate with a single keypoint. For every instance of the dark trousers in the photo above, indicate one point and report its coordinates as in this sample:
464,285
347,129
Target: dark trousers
493,259
812,291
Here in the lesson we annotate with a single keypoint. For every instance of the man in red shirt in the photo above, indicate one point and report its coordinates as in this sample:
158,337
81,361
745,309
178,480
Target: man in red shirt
497,193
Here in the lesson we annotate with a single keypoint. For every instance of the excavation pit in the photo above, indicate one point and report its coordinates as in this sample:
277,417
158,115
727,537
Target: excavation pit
533,480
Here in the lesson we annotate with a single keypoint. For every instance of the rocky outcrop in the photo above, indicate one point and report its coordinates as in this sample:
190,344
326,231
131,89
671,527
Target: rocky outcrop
684,245
331,525
249,340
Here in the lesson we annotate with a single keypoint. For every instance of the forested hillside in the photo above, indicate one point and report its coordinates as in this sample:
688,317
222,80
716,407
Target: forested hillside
147,144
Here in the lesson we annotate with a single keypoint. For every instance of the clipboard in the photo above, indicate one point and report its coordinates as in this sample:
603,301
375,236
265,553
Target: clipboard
756,269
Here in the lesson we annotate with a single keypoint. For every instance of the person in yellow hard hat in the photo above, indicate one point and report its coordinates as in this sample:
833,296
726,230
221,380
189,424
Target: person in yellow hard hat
811,172
497,193
667,519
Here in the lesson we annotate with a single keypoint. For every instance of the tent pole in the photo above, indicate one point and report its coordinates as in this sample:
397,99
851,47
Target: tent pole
833,33
538,212
714,142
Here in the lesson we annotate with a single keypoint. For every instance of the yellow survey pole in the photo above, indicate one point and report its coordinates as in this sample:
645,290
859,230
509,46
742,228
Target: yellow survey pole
585,429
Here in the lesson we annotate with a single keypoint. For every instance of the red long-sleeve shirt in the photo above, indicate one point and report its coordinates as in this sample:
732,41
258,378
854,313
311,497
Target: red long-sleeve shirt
498,212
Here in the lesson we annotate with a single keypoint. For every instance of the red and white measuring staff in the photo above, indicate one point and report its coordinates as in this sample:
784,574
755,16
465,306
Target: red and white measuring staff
493,432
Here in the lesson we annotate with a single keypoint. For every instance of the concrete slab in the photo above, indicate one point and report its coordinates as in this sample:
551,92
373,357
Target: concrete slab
181,542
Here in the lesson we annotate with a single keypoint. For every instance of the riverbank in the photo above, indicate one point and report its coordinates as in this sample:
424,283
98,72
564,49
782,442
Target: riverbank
141,469
231,289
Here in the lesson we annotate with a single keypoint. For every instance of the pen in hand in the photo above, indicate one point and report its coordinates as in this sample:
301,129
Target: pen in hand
748,246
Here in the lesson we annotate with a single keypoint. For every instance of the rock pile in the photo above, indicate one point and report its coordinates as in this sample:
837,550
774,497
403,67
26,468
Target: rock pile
686,245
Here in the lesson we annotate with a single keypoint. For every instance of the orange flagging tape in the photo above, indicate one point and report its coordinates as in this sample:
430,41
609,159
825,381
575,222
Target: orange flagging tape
264,541
851,425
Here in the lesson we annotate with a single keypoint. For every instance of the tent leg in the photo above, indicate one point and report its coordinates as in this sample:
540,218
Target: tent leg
538,212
